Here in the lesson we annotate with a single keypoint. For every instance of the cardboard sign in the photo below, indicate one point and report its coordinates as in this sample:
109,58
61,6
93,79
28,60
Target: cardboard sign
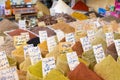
117,45
22,24
109,38
60,35
65,47
18,41
35,55
42,24
85,44
98,52
51,43
43,36
91,35
2,40
26,36
70,37
72,59
9,74
26,48
3,60
47,65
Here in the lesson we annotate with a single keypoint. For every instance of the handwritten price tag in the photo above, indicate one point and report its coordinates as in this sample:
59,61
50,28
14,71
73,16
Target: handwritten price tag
72,59
35,55
26,48
60,35
98,52
26,36
117,45
18,41
91,35
47,65
22,24
85,44
109,38
51,43
3,60
70,37
43,36
9,74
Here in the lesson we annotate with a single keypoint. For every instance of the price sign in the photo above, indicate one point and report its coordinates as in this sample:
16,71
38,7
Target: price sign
117,45
51,43
70,37
26,48
3,60
85,44
65,47
60,35
35,55
47,65
72,59
109,38
18,41
26,36
91,35
22,24
1,40
9,74
98,52
43,36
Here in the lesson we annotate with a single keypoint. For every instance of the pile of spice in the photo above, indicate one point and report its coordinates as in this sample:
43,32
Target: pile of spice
66,28
17,32
35,41
6,25
108,69
48,20
82,72
55,75
48,30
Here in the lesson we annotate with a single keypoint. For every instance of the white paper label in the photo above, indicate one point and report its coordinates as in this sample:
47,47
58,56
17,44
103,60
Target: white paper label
60,35
43,36
1,40
9,74
35,55
70,37
3,60
47,65
109,38
117,45
98,52
91,35
51,43
72,59
85,44
22,24
26,36
26,48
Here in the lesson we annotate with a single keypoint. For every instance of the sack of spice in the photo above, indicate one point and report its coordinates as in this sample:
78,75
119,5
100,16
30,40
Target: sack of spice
43,48
62,60
55,75
108,69
34,72
82,72
25,64
19,54
35,41
54,53
90,58
66,28
111,50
